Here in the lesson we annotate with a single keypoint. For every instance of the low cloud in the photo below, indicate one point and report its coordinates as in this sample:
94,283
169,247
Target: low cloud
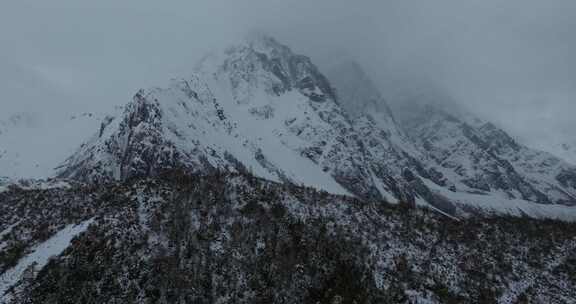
513,61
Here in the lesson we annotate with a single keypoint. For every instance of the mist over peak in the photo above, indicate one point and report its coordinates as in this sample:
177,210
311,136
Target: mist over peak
270,151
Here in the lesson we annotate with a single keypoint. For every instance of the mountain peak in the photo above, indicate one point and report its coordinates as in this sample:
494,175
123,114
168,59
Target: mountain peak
261,62
259,107
265,43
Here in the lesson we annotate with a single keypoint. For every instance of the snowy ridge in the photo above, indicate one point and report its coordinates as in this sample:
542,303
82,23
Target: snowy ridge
215,121
483,158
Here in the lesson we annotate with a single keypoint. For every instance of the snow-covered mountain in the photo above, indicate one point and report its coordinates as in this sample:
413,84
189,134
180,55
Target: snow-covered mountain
485,159
207,190
258,107
398,166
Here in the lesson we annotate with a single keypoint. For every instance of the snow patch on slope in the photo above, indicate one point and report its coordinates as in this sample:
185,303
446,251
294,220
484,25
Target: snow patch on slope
269,133
40,256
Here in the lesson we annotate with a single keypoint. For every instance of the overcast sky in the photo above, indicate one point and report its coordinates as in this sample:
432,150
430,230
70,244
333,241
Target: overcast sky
513,61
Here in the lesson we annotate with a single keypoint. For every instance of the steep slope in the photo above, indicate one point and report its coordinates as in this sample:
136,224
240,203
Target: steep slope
460,173
226,238
256,106
546,172
485,159
393,158
361,100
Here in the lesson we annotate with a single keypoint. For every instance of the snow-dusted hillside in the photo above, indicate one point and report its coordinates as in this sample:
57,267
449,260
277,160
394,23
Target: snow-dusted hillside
234,238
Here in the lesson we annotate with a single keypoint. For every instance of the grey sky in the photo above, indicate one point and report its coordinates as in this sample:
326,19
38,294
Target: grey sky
511,60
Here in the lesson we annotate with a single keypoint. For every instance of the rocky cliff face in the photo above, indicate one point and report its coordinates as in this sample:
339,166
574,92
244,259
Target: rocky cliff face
483,157
256,106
